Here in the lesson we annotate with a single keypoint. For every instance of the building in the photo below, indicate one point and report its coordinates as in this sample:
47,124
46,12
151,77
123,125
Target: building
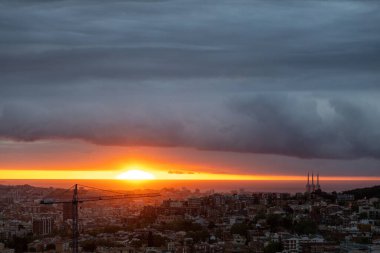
43,225
168,218
172,246
5,250
291,245
194,202
349,247
67,211
345,197
312,187
370,211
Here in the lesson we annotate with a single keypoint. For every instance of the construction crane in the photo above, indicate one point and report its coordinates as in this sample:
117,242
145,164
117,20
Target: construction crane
76,200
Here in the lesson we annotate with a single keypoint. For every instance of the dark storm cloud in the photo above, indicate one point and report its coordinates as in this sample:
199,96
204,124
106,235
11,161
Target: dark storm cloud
291,78
302,125
332,127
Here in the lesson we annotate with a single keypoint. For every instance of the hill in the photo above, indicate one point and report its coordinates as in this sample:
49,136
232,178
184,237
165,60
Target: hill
368,192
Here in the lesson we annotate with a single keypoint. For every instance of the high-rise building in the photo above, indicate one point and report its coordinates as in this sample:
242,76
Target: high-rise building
312,182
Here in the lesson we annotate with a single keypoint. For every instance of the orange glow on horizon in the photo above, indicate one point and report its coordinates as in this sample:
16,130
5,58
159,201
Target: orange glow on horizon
136,174
158,175
63,159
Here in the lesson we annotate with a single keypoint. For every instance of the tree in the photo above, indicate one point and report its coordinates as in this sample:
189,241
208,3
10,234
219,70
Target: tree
183,225
260,215
274,221
136,243
20,244
111,229
211,225
305,226
363,215
158,240
89,246
50,246
150,239
199,236
273,247
287,222
239,228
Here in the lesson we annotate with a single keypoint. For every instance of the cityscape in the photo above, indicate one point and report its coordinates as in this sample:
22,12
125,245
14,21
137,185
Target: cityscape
189,126
35,219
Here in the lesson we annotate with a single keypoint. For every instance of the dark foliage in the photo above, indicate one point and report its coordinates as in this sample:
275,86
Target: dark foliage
305,227
368,192
273,247
182,225
239,228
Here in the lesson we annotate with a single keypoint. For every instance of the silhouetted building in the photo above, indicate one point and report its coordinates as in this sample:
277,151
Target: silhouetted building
67,211
312,187
43,225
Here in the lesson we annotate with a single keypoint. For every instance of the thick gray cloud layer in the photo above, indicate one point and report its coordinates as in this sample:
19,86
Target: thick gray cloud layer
291,78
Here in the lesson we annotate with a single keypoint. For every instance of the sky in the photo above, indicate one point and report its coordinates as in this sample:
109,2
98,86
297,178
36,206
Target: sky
189,89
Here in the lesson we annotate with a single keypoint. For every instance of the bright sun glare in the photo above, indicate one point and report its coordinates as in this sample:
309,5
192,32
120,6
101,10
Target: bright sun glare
136,175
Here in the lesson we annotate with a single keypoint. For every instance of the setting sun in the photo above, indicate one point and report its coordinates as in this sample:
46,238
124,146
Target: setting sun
136,175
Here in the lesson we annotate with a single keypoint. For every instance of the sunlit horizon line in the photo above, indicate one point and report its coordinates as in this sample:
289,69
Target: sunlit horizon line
161,176
136,174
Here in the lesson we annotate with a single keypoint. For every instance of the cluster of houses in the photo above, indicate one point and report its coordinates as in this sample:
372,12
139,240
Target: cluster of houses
194,222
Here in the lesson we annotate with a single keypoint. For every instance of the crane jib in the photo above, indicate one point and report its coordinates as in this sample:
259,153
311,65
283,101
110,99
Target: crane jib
76,200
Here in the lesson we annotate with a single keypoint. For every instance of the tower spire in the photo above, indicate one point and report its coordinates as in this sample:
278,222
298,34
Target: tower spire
308,183
318,185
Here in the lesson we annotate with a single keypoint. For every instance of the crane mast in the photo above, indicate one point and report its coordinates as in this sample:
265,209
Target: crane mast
75,219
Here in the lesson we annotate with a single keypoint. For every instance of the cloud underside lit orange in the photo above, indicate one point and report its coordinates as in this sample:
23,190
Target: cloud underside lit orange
60,159
158,175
